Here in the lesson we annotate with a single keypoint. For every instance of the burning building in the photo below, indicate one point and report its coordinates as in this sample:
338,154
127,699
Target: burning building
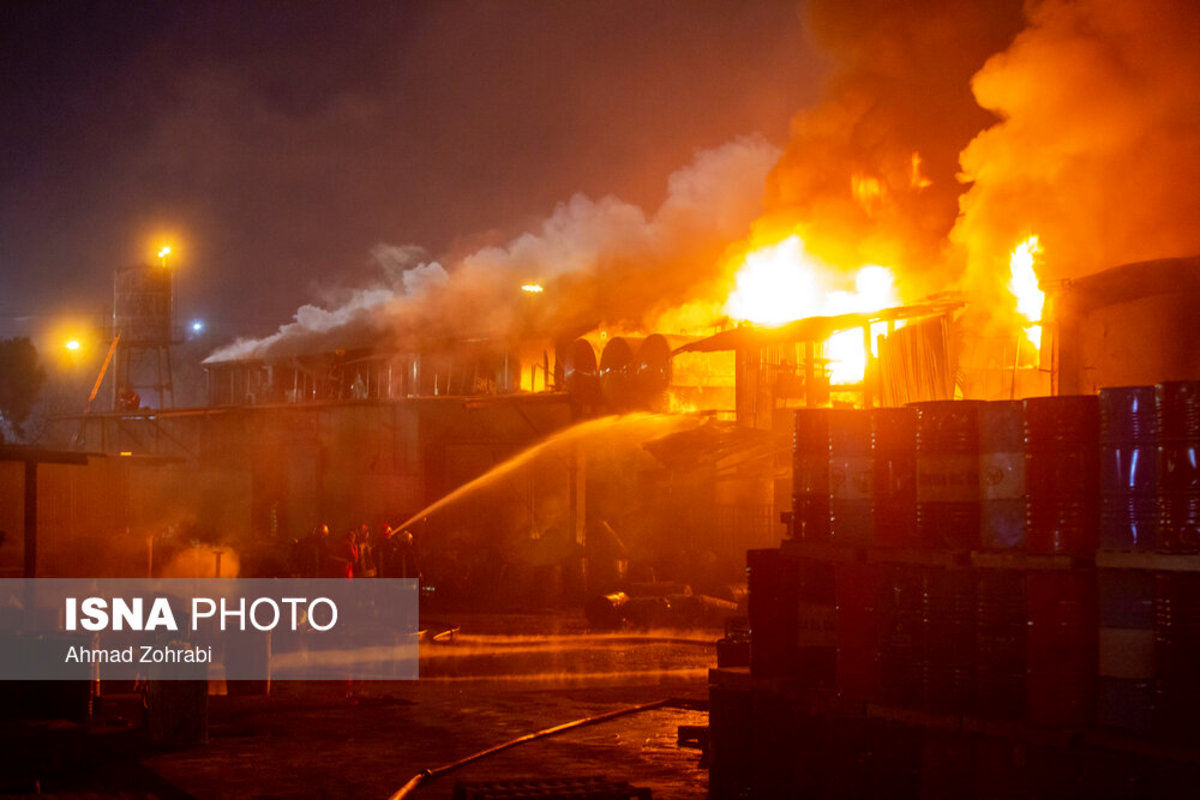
907,362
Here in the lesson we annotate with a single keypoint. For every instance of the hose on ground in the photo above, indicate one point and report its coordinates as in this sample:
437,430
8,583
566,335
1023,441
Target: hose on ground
429,774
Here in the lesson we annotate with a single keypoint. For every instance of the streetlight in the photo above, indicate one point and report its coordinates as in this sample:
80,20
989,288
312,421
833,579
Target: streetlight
163,253
72,345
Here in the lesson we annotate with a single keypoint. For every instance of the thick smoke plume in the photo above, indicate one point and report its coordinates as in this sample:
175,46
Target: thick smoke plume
1098,152
869,174
600,262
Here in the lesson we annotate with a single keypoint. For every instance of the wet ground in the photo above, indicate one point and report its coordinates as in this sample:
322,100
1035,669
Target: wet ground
500,678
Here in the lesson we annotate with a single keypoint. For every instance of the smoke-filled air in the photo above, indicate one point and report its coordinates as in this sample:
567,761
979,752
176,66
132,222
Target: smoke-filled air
1097,148
947,136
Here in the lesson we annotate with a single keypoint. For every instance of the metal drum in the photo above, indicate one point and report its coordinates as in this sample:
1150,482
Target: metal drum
1128,468
1062,439
950,638
774,581
1177,655
816,646
792,618
810,475
1062,648
1126,645
1178,406
903,653
851,477
948,473
1002,475
1000,644
858,631
894,461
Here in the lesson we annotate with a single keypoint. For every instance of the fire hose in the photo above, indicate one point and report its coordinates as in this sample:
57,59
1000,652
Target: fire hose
436,772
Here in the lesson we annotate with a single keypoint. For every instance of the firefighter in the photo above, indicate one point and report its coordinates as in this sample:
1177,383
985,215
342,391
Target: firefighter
365,564
340,556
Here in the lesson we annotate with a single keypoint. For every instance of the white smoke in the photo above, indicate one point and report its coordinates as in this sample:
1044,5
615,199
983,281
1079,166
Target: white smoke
599,260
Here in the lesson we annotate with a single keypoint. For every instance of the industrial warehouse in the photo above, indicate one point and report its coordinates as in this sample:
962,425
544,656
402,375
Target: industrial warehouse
864,466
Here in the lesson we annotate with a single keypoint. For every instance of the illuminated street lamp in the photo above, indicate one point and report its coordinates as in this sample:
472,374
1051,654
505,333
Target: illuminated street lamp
72,345
163,253
532,288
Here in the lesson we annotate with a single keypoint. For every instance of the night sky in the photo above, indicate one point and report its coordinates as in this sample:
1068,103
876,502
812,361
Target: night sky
276,143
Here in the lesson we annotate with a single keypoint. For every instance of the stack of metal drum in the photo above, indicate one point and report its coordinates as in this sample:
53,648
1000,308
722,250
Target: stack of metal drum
1128,524
944,558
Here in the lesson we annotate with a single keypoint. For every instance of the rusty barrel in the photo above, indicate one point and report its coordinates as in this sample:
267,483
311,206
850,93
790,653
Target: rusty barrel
1002,475
851,477
1178,415
1126,647
817,625
792,618
810,475
948,473
894,462
1128,468
1061,648
774,581
1177,655
858,674
1000,644
949,677
902,645
1062,442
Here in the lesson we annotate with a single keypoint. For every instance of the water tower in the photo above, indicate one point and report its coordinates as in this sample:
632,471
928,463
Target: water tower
144,319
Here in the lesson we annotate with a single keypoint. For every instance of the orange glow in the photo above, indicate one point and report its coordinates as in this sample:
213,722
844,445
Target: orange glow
162,245
777,284
72,345
918,180
783,282
1023,283
677,405
532,288
867,191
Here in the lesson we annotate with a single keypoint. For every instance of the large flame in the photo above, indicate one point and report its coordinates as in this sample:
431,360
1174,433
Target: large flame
1023,283
782,282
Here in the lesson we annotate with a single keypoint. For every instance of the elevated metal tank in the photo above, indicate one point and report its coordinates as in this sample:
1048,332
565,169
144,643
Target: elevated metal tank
580,373
618,370
652,376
